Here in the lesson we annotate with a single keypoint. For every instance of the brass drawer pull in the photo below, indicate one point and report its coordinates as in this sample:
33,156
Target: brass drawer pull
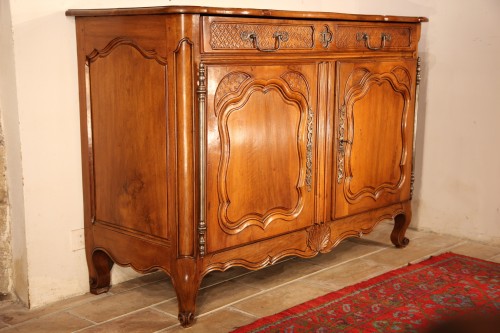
279,36
364,36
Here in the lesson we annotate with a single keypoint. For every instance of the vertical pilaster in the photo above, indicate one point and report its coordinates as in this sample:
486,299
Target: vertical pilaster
184,106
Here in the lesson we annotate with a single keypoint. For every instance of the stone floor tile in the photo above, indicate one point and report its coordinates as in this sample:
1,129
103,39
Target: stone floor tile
238,296
281,298
125,286
216,277
477,250
434,241
171,307
495,259
414,252
348,273
116,305
154,277
58,322
213,297
345,251
140,281
17,313
278,274
382,233
143,321
224,320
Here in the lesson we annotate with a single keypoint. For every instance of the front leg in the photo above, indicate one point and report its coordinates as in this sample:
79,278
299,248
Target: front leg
401,223
186,281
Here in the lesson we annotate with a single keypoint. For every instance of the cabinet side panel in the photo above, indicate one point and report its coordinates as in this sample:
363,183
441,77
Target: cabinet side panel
128,99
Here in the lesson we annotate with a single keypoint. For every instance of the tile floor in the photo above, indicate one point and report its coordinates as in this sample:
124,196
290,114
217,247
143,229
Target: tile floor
235,297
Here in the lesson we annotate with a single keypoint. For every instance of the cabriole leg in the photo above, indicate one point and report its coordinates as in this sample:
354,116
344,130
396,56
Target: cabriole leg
186,282
401,223
100,272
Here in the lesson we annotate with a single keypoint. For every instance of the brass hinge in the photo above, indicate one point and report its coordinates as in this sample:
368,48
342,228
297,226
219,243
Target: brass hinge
202,93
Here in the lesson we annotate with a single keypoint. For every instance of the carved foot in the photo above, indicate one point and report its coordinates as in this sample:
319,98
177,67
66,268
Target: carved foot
401,223
186,318
186,281
100,273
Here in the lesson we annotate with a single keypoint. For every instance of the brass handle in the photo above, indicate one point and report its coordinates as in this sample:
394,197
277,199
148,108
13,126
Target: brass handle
364,36
279,36
342,145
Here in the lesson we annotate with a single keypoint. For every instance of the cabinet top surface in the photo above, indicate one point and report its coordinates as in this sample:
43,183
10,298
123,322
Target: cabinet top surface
240,12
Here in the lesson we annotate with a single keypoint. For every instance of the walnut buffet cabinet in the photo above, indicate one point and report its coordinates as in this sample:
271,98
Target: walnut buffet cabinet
216,137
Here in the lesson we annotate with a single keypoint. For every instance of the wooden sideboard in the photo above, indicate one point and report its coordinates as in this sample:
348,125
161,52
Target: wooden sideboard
218,137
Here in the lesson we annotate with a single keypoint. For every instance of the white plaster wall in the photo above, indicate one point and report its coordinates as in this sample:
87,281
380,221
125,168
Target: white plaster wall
458,159
457,145
13,161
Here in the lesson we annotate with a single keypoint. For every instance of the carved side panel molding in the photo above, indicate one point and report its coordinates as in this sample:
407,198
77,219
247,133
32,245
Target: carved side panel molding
120,41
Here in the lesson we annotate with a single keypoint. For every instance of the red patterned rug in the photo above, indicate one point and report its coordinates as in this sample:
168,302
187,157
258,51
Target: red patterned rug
454,290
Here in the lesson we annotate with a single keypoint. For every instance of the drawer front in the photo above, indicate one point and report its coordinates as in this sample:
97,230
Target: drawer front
255,35
221,34
375,37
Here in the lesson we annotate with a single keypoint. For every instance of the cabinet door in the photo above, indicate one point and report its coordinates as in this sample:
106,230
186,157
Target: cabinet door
260,152
375,111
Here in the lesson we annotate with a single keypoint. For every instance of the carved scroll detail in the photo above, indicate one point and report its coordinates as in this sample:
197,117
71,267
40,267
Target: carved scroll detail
341,148
148,54
309,149
318,237
403,76
297,83
185,318
229,84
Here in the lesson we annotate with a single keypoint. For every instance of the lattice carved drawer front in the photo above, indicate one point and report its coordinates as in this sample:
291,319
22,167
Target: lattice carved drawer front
377,37
224,35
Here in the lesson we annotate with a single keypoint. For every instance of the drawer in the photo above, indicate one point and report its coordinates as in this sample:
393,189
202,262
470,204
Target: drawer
375,37
222,34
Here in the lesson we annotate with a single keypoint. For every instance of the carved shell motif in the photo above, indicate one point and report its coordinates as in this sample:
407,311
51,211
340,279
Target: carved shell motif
318,237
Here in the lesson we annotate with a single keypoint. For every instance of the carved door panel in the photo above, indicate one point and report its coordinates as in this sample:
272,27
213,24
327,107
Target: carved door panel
375,116
260,156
